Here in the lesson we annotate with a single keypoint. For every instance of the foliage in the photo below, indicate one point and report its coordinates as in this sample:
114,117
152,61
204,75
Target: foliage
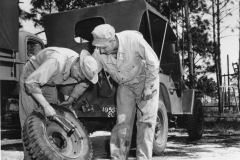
43,7
207,85
202,45
22,16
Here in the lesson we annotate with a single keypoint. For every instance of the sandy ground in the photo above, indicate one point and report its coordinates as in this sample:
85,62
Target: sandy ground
214,145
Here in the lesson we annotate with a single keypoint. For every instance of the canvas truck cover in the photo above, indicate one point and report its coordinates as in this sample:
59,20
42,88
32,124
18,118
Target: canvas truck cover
61,28
9,24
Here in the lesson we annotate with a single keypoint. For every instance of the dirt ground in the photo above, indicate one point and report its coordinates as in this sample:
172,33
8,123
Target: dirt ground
221,141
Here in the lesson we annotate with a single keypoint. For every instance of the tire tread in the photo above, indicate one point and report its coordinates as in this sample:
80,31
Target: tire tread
34,142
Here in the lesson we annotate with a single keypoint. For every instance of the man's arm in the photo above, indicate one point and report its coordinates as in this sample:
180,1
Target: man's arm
79,89
38,78
47,108
73,92
41,76
152,65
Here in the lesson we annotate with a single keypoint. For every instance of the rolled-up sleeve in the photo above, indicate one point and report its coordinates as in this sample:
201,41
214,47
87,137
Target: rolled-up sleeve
151,59
41,76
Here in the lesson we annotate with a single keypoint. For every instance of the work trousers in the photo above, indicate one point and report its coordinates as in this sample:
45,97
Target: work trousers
128,96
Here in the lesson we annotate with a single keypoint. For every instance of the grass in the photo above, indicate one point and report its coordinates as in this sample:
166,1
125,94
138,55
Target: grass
225,123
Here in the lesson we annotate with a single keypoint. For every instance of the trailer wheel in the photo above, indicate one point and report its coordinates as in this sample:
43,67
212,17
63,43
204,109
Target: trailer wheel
46,140
161,130
195,121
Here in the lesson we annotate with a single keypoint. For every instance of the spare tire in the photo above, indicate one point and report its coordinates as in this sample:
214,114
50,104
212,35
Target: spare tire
46,140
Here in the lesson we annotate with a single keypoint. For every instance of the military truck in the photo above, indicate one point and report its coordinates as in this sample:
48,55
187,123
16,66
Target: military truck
97,106
15,49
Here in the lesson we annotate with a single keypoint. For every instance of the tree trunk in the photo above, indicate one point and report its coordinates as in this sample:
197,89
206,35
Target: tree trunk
239,63
189,43
183,40
169,16
216,57
219,55
218,43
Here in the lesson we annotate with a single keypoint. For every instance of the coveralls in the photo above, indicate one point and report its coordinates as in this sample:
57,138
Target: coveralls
41,74
135,68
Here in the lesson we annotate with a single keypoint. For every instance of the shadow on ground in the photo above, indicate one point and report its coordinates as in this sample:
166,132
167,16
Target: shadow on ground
217,140
10,140
12,147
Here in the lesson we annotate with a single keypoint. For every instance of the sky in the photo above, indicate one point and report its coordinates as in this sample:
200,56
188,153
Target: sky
229,44
28,25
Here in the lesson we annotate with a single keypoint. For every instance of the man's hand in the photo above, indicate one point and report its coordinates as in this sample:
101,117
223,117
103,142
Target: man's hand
148,94
97,50
67,103
49,111
47,108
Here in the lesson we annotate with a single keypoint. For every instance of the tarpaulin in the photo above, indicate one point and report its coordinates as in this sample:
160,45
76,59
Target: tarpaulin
9,24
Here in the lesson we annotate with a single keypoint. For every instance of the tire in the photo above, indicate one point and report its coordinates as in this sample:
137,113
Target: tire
46,140
161,130
195,121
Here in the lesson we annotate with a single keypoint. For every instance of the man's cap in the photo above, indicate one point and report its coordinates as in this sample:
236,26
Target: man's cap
89,66
102,34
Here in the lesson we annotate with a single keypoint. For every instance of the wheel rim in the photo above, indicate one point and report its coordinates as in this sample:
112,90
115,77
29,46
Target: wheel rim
159,128
70,147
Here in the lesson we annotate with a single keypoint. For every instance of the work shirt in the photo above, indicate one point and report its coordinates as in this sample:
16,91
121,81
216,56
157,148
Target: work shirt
135,60
52,67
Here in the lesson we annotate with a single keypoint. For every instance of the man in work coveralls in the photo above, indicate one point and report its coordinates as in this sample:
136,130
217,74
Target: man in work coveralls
50,67
133,64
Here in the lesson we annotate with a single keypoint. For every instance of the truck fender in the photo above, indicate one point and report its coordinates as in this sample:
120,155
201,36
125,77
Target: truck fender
164,96
188,101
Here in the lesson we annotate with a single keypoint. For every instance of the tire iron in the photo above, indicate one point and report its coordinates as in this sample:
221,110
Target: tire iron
69,131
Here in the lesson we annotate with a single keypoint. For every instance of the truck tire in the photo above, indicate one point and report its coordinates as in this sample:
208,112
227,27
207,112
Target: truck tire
46,140
161,130
195,121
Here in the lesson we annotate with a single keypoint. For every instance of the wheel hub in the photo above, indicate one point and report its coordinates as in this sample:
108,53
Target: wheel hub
158,130
59,140
68,146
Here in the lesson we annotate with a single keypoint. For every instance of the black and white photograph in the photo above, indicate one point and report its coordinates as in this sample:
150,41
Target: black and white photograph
120,79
